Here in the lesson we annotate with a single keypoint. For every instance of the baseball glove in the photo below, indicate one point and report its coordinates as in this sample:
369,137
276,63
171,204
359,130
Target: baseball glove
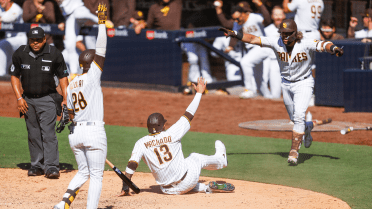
64,120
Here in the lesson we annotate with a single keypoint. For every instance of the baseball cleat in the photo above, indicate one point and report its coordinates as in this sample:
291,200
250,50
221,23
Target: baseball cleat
293,156
308,139
225,187
60,205
247,94
221,150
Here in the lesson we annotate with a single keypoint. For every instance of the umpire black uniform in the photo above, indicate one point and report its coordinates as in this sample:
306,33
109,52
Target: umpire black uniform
34,66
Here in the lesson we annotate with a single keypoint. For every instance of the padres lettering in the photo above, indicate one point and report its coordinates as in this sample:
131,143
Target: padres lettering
284,57
158,142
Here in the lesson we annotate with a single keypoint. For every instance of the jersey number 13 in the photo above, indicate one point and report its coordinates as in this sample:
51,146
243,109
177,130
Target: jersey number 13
164,149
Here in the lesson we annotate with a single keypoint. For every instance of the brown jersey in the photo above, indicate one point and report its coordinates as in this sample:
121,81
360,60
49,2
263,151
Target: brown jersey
122,11
165,17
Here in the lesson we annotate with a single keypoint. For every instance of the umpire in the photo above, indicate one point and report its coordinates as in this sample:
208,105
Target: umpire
35,66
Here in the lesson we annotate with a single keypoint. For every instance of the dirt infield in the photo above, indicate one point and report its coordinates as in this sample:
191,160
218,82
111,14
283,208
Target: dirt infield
216,114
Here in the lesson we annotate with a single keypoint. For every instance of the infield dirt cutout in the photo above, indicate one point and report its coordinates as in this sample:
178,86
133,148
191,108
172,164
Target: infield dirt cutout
216,114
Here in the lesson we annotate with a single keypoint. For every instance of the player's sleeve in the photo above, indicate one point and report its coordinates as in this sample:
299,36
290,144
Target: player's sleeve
70,104
59,65
179,129
259,19
360,34
268,41
15,69
315,45
137,152
293,6
11,15
94,73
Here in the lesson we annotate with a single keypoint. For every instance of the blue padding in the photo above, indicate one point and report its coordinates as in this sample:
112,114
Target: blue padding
357,90
329,72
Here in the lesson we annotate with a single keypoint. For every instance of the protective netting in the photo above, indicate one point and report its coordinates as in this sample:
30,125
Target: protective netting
286,125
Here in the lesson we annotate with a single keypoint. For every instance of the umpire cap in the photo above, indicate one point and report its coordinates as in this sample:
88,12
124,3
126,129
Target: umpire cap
288,25
36,32
155,123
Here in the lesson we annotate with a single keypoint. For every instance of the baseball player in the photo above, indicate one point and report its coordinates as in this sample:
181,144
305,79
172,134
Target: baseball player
10,13
75,14
295,56
87,133
161,150
271,71
251,61
307,17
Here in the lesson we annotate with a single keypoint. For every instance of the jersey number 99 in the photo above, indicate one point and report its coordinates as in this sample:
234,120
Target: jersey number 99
79,101
316,11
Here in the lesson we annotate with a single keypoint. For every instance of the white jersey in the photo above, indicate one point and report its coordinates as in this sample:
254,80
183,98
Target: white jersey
163,154
69,6
364,33
85,96
13,15
253,26
308,13
298,65
272,31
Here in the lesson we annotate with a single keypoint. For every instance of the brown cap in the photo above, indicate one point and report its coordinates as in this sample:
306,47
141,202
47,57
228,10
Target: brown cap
367,13
288,25
138,15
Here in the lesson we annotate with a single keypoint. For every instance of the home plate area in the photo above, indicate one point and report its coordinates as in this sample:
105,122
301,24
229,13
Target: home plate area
287,125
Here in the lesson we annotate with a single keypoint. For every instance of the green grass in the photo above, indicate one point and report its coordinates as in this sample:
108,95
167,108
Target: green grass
342,171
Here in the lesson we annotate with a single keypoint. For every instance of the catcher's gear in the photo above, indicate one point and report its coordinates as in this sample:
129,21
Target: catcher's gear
155,123
86,58
64,120
288,26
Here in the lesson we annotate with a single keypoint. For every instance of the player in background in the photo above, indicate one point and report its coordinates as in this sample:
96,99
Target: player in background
307,17
87,134
76,14
10,12
366,33
161,150
271,71
251,61
295,56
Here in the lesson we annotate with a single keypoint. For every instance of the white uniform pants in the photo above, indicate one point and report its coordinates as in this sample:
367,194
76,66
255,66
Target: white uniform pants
296,98
73,24
89,144
271,74
252,64
197,56
7,47
195,162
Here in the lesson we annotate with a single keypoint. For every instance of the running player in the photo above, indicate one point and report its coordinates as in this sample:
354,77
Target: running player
307,17
295,56
87,134
162,152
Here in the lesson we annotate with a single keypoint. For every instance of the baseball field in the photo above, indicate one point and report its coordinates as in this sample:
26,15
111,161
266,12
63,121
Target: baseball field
335,172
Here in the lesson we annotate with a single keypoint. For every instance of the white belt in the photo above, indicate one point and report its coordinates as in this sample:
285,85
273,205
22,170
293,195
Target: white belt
89,123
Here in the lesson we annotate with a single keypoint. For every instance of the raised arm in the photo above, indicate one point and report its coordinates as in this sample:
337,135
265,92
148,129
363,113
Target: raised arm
263,10
101,43
285,6
221,17
351,30
245,37
199,88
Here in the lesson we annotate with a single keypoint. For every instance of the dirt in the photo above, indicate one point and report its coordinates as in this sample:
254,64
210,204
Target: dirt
216,114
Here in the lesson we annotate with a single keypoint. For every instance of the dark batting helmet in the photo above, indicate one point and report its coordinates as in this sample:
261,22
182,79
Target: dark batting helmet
86,58
289,26
155,123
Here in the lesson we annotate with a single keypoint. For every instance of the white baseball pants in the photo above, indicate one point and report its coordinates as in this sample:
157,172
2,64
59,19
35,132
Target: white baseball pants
195,162
73,24
296,98
89,144
271,74
7,47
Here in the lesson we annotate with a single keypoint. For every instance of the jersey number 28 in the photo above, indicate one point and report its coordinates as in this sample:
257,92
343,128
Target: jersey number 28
165,151
79,100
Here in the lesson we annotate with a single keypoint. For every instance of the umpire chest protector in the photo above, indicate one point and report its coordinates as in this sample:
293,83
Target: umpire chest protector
37,70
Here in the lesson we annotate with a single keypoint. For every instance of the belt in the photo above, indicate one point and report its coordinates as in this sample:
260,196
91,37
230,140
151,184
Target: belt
87,123
301,79
175,183
36,95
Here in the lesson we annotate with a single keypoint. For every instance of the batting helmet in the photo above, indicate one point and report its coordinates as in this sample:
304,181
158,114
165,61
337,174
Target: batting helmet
155,123
86,58
289,26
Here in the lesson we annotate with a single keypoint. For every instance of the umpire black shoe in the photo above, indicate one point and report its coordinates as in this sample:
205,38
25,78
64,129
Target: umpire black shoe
35,172
52,173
